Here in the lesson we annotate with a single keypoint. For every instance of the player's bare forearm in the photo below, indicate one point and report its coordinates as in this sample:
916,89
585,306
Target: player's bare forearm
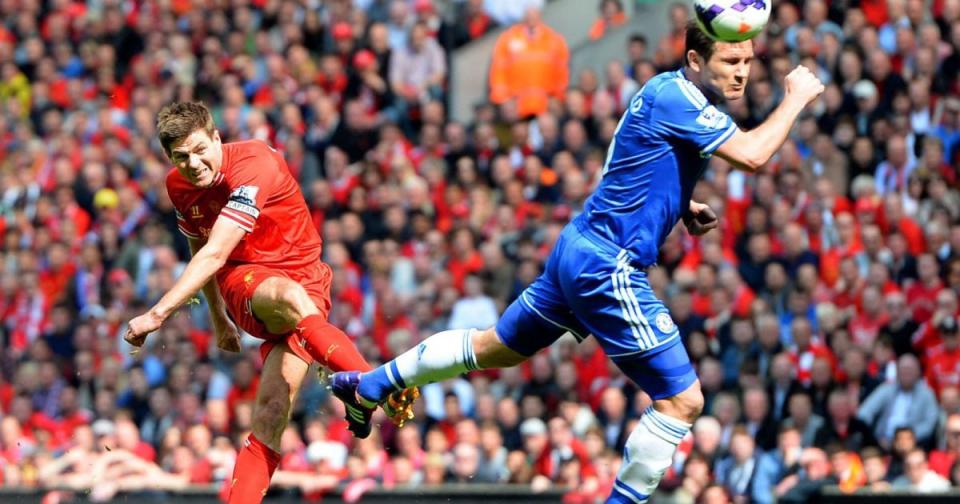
218,309
751,150
208,259
197,275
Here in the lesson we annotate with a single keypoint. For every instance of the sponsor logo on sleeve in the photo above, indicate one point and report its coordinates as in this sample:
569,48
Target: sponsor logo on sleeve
712,118
244,199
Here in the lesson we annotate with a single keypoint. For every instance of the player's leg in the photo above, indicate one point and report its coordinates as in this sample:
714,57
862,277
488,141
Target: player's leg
532,322
282,375
285,306
677,402
614,301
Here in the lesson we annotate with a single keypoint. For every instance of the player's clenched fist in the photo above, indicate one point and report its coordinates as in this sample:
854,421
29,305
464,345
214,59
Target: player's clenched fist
801,84
140,327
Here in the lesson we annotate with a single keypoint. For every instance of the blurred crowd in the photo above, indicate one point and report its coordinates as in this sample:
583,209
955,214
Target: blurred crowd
821,317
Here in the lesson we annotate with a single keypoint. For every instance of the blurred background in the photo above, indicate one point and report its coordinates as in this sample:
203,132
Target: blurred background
442,146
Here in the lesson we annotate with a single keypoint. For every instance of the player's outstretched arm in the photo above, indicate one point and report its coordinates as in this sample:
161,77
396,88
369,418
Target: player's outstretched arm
749,150
228,338
224,237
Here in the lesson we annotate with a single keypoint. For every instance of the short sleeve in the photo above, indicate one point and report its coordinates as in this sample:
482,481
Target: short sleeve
251,183
681,110
185,227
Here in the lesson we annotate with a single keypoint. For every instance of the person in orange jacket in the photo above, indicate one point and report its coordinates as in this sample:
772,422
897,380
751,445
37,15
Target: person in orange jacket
530,65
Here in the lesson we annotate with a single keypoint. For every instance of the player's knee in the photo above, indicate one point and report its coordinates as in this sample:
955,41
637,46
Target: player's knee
280,303
492,353
688,405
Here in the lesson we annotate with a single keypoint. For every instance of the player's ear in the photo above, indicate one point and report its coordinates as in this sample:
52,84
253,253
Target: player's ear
216,136
693,60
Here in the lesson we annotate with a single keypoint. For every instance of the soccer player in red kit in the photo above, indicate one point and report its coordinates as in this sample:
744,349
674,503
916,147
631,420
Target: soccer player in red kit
250,230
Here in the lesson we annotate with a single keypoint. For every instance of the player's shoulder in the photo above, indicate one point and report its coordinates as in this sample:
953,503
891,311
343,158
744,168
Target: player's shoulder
673,90
244,148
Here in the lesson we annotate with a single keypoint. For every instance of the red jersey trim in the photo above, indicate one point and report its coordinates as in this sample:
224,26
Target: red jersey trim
186,233
240,223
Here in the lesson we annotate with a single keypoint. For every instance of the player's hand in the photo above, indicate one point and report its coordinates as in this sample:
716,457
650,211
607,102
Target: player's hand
227,334
801,84
140,327
700,219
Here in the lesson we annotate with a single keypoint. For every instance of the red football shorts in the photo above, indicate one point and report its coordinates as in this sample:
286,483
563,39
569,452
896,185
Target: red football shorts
237,284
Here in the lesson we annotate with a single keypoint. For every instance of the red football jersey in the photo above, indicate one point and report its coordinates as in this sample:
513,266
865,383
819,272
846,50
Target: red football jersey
256,191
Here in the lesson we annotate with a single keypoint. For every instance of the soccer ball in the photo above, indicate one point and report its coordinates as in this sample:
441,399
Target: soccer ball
732,20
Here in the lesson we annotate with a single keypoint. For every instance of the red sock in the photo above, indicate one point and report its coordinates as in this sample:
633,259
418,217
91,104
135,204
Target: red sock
251,474
329,346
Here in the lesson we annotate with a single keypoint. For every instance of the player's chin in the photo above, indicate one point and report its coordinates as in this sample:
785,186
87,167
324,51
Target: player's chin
734,93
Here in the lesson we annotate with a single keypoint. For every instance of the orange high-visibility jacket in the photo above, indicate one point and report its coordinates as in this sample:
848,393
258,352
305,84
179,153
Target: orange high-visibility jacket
530,66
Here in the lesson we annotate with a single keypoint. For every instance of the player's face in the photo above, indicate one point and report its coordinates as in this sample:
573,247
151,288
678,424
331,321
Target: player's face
727,69
198,157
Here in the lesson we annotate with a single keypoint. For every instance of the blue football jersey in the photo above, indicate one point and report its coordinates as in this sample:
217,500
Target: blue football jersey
660,149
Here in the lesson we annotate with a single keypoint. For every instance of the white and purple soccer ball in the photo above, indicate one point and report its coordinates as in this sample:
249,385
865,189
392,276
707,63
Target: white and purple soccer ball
732,20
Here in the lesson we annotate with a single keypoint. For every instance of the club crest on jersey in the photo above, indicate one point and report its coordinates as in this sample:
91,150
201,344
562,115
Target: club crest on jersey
664,322
712,118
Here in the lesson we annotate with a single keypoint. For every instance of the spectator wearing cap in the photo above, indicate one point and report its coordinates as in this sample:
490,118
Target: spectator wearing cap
367,86
535,440
867,102
529,65
906,402
943,362
344,42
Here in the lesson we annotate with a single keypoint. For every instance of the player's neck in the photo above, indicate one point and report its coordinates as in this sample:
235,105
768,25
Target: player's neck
694,77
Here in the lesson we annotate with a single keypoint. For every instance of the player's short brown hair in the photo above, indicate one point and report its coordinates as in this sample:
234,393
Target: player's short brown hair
179,119
697,40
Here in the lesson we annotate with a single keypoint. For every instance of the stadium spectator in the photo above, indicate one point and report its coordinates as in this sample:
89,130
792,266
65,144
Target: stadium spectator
919,478
907,402
529,65
422,216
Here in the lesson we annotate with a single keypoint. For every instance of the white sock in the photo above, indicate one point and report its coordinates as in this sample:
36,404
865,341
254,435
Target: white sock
647,456
444,355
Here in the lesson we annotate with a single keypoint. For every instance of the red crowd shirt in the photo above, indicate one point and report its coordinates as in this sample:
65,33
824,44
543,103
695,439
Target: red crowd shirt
803,361
923,299
256,191
943,369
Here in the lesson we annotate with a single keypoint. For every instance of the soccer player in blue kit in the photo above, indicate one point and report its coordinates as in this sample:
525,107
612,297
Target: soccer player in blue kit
595,281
